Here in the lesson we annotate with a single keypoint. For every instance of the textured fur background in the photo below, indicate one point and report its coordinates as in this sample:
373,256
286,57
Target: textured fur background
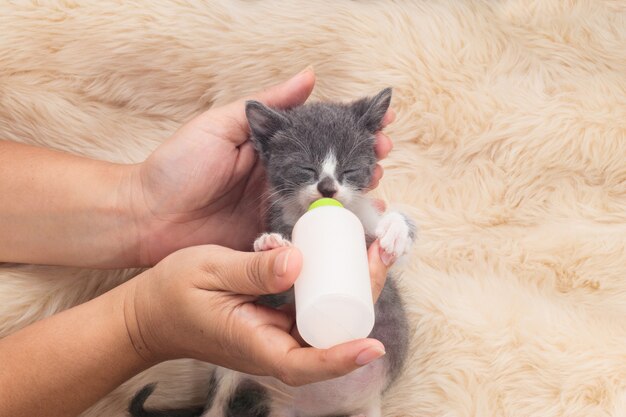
510,151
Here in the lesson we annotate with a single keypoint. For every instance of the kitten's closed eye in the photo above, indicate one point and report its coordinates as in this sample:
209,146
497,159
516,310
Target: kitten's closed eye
310,172
317,150
354,174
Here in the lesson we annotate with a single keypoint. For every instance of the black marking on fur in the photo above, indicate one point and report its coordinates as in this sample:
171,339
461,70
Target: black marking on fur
136,407
210,397
250,399
412,226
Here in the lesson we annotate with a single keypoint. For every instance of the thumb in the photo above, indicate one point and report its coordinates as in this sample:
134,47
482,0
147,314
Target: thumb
287,94
253,273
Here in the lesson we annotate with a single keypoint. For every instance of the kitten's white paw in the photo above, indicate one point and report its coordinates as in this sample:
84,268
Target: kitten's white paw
395,235
269,241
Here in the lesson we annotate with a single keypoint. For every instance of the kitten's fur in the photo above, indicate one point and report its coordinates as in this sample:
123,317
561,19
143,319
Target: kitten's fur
315,150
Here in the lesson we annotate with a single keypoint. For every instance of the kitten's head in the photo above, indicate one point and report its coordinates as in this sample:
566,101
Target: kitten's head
318,150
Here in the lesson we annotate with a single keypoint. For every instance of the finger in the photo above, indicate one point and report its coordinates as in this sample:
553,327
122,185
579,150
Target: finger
376,176
250,273
246,158
290,93
295,333
270,316
380,205
389,117
290,310
382,146
299,366
378,270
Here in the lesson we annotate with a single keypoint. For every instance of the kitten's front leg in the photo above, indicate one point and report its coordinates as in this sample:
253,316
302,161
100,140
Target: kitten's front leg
226,382
269,241
394,230
396,233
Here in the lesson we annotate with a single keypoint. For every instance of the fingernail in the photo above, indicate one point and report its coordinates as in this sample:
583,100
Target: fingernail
387,258
280,264
369,354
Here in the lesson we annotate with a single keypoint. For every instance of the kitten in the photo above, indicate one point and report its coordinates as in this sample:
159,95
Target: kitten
313,151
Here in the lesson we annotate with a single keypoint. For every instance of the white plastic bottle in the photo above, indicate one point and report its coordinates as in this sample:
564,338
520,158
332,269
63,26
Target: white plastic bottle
333,291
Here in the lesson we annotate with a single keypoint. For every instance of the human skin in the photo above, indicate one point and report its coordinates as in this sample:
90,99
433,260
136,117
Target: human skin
196,302
202,186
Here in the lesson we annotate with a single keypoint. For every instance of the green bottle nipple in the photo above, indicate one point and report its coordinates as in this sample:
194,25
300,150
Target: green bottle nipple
324,202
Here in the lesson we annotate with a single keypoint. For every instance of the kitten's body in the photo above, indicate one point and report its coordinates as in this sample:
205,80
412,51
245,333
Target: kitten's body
321,149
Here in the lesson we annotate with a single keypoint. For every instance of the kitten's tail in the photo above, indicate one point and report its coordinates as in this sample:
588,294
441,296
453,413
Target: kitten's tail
136,409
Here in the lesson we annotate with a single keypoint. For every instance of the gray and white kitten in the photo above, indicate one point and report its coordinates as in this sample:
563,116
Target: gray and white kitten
313,151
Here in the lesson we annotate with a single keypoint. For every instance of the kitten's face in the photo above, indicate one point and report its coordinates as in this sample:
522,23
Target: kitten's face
318,150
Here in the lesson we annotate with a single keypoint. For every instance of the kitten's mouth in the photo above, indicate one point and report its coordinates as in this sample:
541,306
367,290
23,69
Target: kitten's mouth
310,195
314,199
343,195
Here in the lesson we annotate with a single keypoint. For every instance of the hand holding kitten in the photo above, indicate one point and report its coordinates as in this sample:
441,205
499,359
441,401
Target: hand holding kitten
205,184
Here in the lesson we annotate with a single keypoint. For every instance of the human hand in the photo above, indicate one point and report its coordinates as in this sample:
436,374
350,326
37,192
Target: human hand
199,302
205,184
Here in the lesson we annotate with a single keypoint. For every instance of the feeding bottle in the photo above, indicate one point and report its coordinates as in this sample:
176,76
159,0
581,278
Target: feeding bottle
333,291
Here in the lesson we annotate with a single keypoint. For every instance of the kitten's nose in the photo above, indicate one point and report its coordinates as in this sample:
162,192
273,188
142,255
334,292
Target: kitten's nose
326,187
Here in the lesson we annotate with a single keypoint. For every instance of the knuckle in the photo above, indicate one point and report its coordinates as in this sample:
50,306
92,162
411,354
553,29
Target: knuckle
254,271
239,342
335,371
207,263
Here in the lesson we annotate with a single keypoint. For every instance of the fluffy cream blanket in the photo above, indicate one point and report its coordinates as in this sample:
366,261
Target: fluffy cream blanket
510,152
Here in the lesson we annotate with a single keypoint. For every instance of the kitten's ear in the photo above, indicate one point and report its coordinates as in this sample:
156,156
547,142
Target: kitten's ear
264,123
371,110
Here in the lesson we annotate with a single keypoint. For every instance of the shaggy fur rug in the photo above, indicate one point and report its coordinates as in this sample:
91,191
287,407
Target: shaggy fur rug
510,152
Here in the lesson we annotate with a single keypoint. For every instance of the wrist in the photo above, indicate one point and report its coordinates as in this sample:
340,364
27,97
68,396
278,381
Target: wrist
136,337
147,313
65,363
122,243
135,226
147,227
